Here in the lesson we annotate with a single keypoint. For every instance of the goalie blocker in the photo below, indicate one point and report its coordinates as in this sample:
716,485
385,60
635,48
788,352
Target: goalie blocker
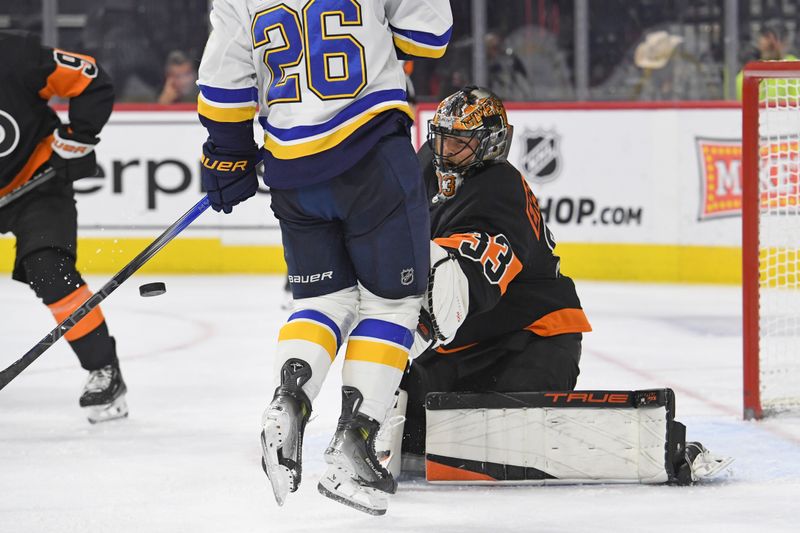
560,437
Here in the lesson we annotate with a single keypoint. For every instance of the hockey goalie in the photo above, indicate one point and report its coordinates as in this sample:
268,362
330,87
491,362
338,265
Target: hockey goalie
489,396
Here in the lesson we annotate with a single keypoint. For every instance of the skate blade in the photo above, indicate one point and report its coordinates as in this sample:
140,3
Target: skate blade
118,408
339,486
710,467
280,477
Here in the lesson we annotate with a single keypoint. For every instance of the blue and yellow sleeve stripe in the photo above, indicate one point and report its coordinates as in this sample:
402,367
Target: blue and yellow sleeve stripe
227,105
381,342
420,43
302,141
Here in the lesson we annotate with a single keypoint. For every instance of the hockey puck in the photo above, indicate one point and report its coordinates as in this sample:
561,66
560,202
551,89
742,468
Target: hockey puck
153,289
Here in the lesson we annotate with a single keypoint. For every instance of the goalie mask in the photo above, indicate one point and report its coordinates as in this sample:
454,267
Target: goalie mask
469,128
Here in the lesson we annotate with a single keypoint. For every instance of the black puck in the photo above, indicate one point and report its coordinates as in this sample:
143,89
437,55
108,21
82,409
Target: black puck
153,289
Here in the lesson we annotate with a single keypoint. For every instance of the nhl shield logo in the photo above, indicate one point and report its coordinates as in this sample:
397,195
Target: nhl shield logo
407,276
541,155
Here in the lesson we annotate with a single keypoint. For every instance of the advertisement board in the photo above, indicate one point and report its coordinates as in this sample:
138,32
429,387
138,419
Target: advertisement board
643,192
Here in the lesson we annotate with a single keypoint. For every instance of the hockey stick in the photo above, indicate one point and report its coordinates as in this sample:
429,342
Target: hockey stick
28,186
119,278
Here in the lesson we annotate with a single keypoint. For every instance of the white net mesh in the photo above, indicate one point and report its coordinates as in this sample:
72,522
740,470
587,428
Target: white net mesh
779,244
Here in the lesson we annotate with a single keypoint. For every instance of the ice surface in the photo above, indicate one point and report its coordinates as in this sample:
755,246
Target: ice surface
198,365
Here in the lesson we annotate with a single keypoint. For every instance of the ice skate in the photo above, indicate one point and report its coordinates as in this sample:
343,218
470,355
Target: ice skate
103,395
284,422
702,463
355,477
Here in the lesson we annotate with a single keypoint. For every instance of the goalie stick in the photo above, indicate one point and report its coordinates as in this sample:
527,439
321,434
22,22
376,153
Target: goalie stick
119,278
28,186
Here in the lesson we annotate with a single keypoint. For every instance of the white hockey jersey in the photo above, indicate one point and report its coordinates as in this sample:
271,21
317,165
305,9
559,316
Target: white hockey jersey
323,76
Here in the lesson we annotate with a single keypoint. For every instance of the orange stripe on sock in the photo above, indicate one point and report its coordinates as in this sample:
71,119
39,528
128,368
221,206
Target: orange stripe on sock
66,305
438,472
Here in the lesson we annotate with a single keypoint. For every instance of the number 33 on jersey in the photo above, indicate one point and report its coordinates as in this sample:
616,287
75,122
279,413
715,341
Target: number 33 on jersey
323,76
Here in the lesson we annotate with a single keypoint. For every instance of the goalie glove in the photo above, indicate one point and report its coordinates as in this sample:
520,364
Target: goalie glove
73,154
446,301
423,336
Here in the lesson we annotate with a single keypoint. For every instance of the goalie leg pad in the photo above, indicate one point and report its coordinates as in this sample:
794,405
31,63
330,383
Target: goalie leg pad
553,437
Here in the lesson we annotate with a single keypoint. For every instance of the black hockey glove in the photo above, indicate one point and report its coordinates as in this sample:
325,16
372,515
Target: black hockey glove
426,328
229,177
425,337
73,154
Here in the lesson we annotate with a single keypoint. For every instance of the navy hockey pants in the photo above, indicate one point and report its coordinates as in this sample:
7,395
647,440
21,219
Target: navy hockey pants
369,224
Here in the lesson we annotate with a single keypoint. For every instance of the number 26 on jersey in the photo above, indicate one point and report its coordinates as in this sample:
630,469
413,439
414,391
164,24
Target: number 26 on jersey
335,64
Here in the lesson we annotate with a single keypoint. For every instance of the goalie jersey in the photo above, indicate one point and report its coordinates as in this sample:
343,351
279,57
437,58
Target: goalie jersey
494,228
31,74
324,77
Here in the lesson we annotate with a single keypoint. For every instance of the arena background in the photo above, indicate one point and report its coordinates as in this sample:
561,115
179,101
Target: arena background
647,192
631,143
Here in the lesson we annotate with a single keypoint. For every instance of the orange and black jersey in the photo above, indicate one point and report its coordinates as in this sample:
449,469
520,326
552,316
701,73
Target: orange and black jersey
494,227
31,74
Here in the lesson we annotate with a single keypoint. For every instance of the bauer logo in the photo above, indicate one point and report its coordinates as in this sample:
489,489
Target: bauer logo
311,278
541,155
720,177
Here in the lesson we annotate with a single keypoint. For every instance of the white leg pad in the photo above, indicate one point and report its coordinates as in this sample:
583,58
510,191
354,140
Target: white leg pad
595,437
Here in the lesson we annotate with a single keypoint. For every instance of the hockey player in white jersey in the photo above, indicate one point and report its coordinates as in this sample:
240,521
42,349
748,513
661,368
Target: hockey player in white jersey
326,81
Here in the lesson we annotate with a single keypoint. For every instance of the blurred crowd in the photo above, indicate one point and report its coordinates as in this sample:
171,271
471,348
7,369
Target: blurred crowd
151,48
638,49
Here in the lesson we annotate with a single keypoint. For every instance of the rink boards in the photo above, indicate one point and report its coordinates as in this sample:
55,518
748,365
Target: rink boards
642,192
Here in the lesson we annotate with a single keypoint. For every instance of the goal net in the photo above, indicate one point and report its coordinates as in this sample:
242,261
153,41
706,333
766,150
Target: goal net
771,237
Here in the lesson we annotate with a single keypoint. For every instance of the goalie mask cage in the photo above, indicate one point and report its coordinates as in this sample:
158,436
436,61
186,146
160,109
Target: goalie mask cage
771,237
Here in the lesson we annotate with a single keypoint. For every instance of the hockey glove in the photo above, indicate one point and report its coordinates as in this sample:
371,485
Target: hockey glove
229,177
446,300
424,339
73,154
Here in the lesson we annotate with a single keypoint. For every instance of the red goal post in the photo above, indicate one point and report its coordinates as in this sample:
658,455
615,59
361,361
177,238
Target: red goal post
771,237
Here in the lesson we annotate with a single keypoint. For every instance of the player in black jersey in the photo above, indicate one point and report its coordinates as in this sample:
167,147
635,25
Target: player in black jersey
498,314
499,317
44,220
